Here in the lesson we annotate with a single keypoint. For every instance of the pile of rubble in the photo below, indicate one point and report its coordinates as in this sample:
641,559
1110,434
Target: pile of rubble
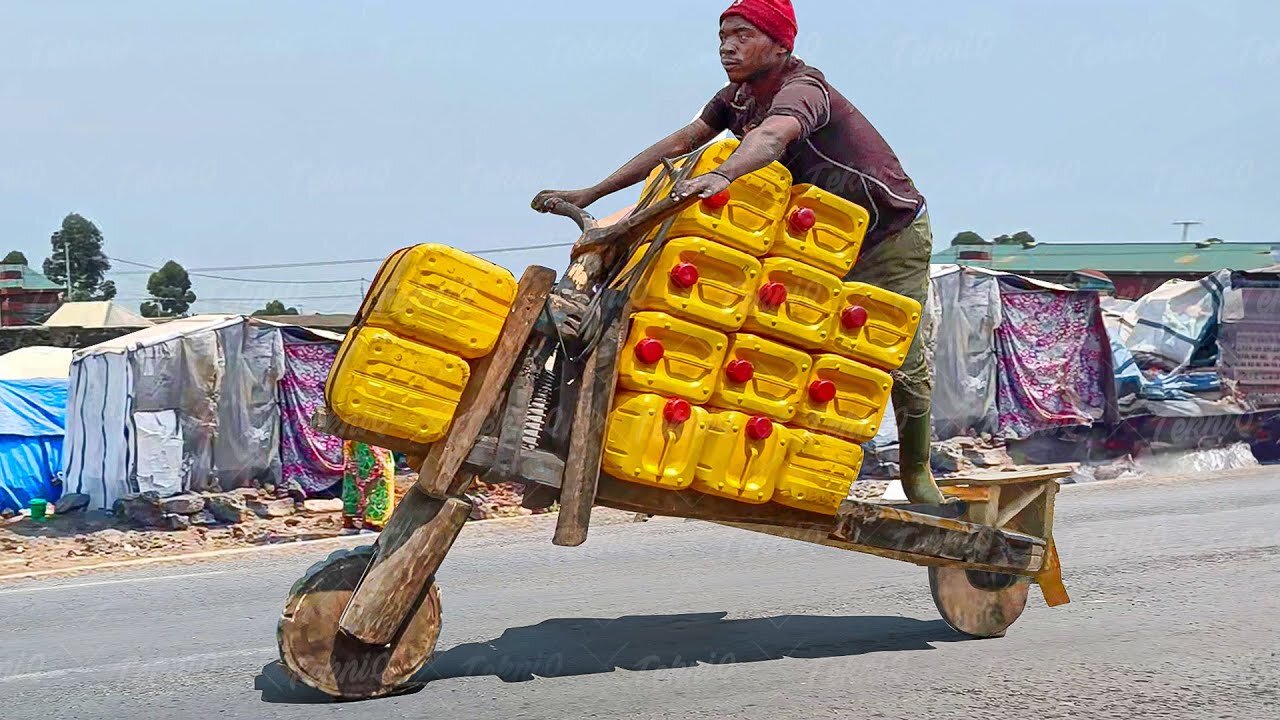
180,512
956,455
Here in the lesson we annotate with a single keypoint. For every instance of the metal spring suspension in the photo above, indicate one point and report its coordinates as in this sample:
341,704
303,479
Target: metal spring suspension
535,422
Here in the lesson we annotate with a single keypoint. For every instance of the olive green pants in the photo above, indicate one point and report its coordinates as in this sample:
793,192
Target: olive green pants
900,264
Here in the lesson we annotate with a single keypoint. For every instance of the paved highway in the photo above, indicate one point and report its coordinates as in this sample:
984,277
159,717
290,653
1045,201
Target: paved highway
1176,613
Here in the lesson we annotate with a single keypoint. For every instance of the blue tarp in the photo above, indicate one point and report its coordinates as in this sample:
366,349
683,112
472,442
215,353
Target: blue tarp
32,421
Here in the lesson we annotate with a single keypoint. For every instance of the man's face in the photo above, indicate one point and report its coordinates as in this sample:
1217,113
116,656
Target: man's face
745,52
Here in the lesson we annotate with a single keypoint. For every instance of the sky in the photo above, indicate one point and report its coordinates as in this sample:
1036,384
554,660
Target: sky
272,132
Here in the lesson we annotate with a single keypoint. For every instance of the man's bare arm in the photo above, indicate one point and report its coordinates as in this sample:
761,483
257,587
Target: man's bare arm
680,142
761,146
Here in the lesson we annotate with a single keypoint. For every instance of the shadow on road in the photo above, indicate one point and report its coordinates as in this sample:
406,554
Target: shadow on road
567,647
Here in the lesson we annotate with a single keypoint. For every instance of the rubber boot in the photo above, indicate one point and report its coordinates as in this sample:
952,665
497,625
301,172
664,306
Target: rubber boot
914,445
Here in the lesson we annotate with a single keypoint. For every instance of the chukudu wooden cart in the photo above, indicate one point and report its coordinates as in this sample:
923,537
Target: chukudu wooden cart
361,623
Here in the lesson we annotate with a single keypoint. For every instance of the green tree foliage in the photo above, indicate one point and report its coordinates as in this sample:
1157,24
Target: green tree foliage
1022,237
275,307
15,257
170,288
968,237
89,264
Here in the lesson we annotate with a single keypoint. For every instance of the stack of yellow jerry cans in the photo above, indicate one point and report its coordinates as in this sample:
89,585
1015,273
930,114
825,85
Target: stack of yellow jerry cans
401,371
750,370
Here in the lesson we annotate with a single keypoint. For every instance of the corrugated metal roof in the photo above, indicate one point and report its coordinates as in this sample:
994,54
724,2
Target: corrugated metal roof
28,279
1171,258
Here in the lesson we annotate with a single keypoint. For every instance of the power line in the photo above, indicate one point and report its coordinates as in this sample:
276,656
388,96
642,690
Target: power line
329,263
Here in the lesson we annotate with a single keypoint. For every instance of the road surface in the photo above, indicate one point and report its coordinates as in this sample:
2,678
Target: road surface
1176,613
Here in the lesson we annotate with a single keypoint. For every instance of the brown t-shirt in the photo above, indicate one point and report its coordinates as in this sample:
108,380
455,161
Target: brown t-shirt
838,149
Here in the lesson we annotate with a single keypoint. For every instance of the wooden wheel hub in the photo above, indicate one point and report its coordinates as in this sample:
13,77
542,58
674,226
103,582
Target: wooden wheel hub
320,655
978,604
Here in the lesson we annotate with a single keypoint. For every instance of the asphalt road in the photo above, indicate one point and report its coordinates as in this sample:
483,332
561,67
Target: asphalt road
1176,613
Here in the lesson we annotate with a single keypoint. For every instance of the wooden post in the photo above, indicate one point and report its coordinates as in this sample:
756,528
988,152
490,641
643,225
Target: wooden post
484,389
582,466
407,555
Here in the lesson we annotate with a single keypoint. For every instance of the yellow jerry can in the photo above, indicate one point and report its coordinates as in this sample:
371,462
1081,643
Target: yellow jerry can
817,472
654,440
761,376
442,297
822,229
794,303
670,356
698,280
741,457
745,216
844,398
392,386
874,326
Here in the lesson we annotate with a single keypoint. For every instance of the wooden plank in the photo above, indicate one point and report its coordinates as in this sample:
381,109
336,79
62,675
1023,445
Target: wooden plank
818,537
633,497
582,466
890,528
407,555
484,389
971,495
536,466
1020,496
1011,477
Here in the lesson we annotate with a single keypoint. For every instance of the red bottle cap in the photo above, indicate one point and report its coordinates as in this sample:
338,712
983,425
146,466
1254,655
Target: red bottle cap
740,371
822,391
684,275
773,294
717,201
853,317
649,350
677,410
759,428
802,220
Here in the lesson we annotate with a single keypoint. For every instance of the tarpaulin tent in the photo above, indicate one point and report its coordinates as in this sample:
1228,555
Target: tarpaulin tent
32,414
187,405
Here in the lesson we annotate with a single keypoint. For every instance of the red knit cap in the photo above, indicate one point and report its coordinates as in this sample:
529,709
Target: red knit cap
775,18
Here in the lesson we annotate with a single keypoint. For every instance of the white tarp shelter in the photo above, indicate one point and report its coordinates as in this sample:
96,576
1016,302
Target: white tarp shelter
104,313
189,405
36,362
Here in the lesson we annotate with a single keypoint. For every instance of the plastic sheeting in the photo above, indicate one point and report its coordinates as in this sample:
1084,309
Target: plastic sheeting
1171,324
966,313
216,374
32,416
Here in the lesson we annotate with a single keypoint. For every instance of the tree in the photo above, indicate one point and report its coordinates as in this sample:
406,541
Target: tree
88,263
1022,237
275,307
15,257
170,288
968,237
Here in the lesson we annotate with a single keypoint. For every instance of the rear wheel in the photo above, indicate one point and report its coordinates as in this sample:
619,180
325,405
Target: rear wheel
978,604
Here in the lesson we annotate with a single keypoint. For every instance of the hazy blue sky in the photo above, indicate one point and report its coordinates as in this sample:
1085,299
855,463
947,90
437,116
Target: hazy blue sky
233,133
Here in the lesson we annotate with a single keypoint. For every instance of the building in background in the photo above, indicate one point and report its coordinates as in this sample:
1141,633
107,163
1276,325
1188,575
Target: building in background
26,296
1134,269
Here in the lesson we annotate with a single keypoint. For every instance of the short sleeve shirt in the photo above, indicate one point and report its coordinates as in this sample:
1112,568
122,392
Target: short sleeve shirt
838,149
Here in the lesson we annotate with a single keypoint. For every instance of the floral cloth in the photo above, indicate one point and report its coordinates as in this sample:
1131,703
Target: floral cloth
310,459
368,485
1050,361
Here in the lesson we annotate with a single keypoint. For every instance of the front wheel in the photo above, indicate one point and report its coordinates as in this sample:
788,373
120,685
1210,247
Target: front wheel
978,604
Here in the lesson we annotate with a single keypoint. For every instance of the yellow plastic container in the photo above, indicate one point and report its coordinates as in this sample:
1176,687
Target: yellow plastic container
761,376
653,440
874,326
740,460
844,398
698,280
395,387
822,229
443,297
794,303
747,218
817,472
670,356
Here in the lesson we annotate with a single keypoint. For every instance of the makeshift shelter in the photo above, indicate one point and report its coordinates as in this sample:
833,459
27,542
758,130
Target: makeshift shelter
32,415
1014,356
190,405
95,314
37,361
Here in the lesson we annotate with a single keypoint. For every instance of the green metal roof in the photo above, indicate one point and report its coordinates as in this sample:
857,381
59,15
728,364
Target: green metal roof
30,279
1169,258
